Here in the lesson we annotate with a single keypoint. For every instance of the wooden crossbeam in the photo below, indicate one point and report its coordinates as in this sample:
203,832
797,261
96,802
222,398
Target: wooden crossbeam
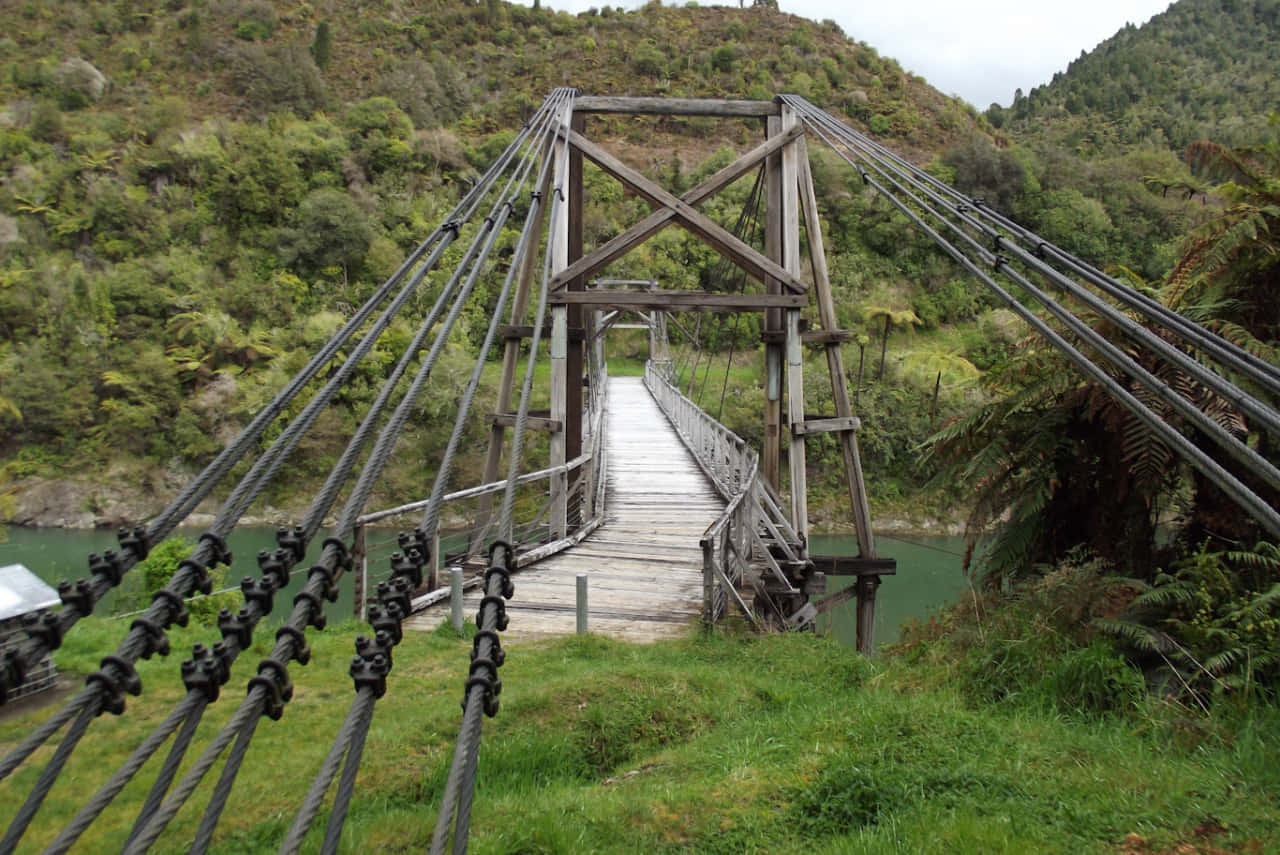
707,229
677,301
517,331
620,245
531,422
674,106
827,425
844,565
813,337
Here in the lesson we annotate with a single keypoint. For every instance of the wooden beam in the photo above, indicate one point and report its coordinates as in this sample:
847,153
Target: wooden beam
531,422
835,359
621,244
517,331
810,337
678,301
674,106
844,565
711,232
826,425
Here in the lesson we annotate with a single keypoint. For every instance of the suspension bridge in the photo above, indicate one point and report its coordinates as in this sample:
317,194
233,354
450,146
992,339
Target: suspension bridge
674,517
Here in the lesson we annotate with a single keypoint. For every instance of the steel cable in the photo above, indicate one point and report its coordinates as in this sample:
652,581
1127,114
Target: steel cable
48,776
1258,369
1211,469
1229,443
181,715
1165,317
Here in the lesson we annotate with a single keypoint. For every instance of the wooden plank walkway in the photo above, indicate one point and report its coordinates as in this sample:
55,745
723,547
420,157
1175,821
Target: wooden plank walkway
644,564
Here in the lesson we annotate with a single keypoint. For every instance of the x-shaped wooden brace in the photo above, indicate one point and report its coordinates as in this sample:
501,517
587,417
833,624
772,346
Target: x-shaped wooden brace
681,210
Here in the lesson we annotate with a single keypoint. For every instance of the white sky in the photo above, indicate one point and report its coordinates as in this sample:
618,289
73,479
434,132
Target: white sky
980,50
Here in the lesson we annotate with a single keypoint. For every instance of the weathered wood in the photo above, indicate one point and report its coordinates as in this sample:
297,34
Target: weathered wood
810,337
638,105
621,244
835,357
810,426
843,565
706,229
576,356
771,454
678,301
531,422
518,332
643,562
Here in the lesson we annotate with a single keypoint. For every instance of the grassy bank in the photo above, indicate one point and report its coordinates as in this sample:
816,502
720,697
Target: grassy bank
784,743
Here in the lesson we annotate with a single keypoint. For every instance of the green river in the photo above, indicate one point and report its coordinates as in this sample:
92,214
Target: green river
929,574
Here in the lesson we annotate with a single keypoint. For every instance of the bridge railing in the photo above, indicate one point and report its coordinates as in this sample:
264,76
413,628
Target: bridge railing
734,551
467,526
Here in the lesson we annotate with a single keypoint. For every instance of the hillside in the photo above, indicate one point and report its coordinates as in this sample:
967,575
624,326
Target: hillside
1203,69
193,196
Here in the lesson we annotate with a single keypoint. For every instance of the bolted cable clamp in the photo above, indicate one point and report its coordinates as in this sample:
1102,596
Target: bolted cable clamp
113,687
176,608
387,621
370,673
490,682
508,588
200,579
207,670
395,593
218,544
315,608
292,539
78,596
273,677
275,565
301,650
45,627
134,541
154,637
12,673
500,604
344,557
108,566
238,626
498,655
259,591
405,567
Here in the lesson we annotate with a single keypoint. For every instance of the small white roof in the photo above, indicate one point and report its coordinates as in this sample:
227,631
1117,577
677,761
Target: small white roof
22,591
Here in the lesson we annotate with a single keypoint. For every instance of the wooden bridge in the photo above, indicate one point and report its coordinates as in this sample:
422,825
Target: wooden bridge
670,521
643,563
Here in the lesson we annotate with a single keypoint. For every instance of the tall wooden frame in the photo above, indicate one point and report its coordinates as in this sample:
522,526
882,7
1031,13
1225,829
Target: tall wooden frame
790,201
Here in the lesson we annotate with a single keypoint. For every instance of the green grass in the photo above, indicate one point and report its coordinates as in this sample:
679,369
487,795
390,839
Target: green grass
782,743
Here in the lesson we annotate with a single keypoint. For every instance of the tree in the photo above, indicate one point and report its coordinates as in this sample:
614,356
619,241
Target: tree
322,46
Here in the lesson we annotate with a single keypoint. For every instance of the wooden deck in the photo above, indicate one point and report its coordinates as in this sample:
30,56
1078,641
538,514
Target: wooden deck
644,564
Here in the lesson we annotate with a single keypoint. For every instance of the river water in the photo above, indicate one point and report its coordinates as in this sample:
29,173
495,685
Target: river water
929,570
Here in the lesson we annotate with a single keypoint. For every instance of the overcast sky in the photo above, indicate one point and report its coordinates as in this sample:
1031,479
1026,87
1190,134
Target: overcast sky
980,50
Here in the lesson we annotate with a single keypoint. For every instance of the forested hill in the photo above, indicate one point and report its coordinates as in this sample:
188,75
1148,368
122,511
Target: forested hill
483,65
1203,69
194,193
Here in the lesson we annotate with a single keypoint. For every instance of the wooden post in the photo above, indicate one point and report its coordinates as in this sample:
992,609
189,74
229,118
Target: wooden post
437,561
835,359
559,248
360,558
796,441
574,357
771,464
866,627
582,603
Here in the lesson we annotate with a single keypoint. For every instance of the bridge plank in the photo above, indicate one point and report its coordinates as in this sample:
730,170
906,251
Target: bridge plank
644,564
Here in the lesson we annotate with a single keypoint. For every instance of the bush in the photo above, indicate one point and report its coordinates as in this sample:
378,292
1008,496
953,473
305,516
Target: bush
281,78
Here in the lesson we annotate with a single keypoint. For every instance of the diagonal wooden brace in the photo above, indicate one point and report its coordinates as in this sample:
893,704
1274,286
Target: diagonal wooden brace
711,232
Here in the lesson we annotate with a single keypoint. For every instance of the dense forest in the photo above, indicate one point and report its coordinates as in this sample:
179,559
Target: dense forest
1203,69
